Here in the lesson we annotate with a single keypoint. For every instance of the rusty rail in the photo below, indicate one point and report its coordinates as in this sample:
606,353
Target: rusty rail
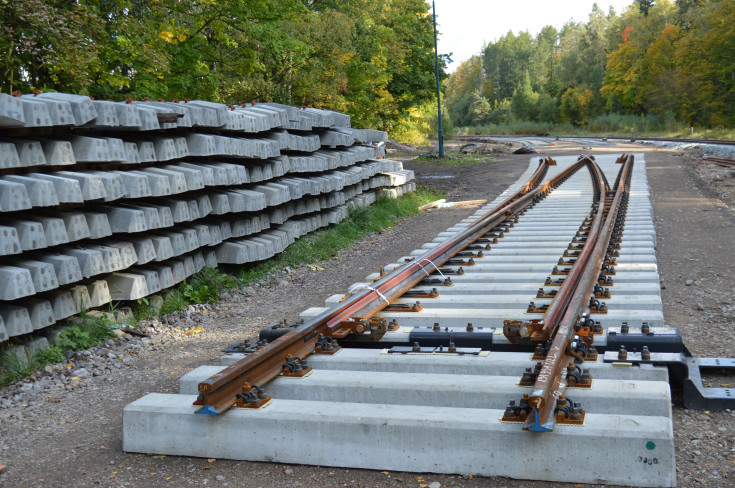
724,162
241,383
547,396
540,330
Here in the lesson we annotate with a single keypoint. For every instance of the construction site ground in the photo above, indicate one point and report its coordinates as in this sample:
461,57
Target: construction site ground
63,427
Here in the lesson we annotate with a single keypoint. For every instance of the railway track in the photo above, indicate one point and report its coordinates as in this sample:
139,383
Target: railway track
724,142
530,328
724,162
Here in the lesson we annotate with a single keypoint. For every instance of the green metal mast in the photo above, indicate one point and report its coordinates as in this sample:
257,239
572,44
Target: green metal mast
438,87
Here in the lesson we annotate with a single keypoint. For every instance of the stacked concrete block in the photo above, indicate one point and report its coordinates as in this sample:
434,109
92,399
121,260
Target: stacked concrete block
9,155
30,235
42,274
59,111
90,149
126,212
11,111
334,138
91,184
9,241
36,113
13,196
63,305
99,293
40,312
82,107
40,193
68,190
17,320
57,153
15,283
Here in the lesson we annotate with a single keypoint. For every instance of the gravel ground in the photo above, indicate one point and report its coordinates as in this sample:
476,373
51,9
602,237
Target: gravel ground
63,427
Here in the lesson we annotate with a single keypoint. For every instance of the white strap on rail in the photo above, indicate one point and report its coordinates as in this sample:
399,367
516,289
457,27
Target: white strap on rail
431,263
371,289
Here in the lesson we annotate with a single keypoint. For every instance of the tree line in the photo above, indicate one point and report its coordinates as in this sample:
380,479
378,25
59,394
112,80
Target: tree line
670,61
372,59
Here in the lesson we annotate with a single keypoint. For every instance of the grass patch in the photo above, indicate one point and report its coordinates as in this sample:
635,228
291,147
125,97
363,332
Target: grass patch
515,128
324,244
452,159
15,366
91,329
203,287
607,124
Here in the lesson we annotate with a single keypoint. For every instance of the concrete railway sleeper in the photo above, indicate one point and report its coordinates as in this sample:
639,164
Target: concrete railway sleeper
414,368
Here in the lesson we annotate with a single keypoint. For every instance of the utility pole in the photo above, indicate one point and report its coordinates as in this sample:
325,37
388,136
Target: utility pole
438,87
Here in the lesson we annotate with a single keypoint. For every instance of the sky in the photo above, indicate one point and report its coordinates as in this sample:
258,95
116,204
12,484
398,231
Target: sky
466,25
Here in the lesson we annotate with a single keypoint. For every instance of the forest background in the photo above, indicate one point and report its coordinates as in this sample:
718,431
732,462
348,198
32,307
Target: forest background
658,66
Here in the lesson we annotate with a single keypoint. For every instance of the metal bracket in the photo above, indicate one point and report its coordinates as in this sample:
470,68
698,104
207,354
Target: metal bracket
404,307
416,349
697,396
688,371
252,396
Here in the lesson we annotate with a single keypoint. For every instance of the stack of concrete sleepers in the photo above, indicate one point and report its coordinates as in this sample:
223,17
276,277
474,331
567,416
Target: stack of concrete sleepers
103,201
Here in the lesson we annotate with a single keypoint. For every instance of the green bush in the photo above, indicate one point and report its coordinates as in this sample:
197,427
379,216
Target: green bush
88,331
203,287
54,354
174,300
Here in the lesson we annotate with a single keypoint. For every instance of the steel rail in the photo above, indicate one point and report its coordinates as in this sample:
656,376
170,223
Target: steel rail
551,381
723,142
540,330
724,162
561,300
220,392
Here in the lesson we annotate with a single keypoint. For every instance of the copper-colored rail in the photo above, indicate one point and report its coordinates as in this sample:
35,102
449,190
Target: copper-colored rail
724,162
245,378
551,381
540,330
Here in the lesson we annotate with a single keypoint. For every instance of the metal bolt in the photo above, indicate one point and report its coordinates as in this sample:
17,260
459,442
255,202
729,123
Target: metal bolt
452,347
470,328
624,328
416,347
437,327
645,328
622,353
645,354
